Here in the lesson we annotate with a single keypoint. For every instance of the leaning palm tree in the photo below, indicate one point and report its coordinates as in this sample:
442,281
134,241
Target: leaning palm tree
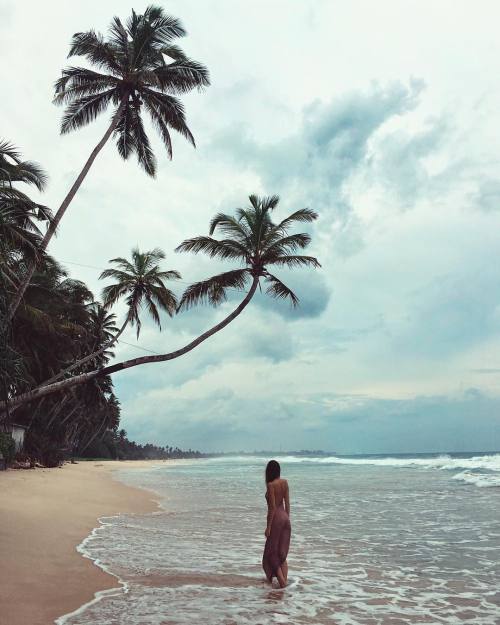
252,239
142,283
137,68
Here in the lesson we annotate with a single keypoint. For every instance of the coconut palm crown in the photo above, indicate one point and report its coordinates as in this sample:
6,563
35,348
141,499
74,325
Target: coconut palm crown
138,67
255,241
19,215
141,282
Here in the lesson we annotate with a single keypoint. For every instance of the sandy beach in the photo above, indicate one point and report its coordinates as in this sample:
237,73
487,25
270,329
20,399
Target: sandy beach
44,515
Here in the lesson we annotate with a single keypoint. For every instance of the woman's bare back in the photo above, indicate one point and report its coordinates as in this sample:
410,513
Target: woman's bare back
278,490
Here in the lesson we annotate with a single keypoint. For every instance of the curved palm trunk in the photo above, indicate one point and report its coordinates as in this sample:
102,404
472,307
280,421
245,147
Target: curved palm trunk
134,362
85,359
62,209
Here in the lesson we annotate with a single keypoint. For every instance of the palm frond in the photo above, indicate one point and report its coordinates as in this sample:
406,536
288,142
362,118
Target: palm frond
291,243
182,76
112,293
9,150
304,215
76,81
145,155
85,109
294,261
215,249
153,311
119,39
150,32
214,290
164,298
167,112
117,274
168,275
93,46
279,290
230,226
125,141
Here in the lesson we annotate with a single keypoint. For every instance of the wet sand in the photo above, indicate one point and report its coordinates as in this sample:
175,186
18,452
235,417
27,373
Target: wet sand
44,515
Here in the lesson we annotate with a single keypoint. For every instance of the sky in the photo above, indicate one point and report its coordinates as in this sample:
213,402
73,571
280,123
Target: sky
381,116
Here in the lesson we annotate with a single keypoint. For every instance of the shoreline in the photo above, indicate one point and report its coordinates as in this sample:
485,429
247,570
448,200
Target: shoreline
45,515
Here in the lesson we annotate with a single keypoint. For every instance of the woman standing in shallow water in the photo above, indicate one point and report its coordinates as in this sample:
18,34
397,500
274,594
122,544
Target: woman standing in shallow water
278,528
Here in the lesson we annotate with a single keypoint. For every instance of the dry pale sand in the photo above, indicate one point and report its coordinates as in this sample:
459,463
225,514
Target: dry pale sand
44,515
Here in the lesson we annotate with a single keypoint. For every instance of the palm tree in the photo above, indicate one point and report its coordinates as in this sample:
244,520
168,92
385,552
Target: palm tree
142,282
102,328
19,239
20,235
253,240
131,73
257,243
14,169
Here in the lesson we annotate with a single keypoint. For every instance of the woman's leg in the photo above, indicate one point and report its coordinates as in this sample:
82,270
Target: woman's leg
284,568
281,577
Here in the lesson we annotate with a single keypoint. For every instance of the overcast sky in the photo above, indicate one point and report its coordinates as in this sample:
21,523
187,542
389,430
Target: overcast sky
382,116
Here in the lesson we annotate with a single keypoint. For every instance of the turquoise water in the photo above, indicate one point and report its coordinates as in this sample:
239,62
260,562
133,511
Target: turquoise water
374,541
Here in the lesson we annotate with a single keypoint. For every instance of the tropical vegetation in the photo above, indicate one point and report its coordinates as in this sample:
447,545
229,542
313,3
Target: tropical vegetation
57,338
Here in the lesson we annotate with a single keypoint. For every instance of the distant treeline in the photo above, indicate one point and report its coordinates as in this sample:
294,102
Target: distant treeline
116,446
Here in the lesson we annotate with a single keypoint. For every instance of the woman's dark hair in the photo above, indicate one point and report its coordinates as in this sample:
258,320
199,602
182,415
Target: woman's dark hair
273,470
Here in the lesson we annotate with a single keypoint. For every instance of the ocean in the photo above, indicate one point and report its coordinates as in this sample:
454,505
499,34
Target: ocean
375,540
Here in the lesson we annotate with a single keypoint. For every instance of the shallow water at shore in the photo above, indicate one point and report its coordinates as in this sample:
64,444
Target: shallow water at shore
374,540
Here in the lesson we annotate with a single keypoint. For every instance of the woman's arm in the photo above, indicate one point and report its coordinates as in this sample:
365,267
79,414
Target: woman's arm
287,500
271,505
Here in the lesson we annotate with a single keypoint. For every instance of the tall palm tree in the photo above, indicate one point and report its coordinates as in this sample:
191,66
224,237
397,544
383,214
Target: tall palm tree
131,73
256,243
142,282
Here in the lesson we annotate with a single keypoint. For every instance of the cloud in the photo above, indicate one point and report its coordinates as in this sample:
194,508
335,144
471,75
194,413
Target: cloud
453,312
399,161
314,163
340,423
488,195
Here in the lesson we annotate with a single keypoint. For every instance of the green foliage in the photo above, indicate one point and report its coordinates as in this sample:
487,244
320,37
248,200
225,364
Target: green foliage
7,447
